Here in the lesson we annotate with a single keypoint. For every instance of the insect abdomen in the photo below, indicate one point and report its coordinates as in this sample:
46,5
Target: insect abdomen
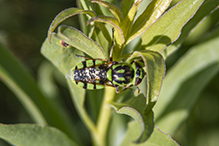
90,74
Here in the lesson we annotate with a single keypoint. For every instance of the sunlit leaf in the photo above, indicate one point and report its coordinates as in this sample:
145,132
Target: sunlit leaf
135,107
206,8
119,37
85,5
158,137
105,19
185,81
77,39
64,59
34,135
128,20
168,28
126,5
99,35
155,9
66,14
140,108
155,70
115,10
104,31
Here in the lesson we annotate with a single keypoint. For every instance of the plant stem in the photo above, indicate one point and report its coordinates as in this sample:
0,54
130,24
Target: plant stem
104,117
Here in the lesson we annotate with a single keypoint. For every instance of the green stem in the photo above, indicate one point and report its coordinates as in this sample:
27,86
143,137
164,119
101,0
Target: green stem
104,117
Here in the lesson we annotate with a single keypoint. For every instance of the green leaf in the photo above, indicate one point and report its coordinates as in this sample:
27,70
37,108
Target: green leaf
155,9
77,39
207,8
66,14
21,83
185,81
155,70
135,107
34,135
98,36
115,10
158,137
119,37
126,5
128,20
105,33
105,19
140,107
168,28
64,59
85,5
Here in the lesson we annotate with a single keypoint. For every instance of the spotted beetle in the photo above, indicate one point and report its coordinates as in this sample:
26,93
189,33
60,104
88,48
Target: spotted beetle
98,73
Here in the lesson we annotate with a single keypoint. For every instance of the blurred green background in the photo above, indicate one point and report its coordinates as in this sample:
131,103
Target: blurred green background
23,28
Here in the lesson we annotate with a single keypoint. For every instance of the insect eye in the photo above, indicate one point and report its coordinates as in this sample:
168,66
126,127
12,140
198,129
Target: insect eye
138,72
137,81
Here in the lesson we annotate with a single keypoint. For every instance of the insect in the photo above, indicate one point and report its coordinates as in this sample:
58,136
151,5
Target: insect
98,73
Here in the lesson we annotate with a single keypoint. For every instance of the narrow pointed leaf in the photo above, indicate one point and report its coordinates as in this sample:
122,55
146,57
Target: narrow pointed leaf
135,107
115,10
155,9
126,5
119,37
34,135
80,41
100,34
168,28
105,19
66,14
190,75
158,137
104,30
126,24
204,11
85,5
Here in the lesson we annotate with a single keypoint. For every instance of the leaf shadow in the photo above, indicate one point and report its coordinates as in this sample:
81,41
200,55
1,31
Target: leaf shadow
159,39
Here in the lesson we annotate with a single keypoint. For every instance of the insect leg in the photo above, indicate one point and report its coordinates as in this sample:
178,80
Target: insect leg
136,61
90,58
83,57
129,87
109,83
117,89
